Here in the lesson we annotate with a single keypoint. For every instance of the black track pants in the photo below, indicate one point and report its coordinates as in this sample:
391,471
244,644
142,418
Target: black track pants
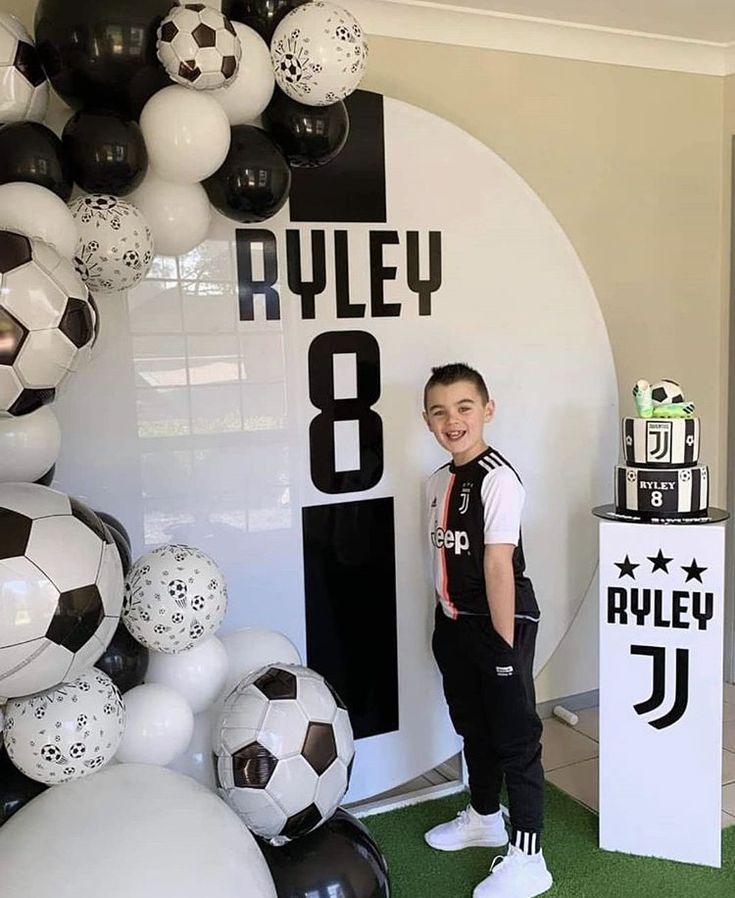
489,690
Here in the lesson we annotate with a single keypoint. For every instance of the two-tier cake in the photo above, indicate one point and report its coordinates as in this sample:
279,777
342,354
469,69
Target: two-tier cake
661,477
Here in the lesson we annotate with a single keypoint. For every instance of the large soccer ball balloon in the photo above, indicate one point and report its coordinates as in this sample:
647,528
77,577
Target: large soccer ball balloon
24,90
67,732
115,248
198,47
47,323
284,751
319,53
61,587
130,830
175,597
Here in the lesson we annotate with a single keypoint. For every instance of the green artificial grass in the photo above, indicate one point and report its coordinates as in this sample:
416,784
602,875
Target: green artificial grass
580,869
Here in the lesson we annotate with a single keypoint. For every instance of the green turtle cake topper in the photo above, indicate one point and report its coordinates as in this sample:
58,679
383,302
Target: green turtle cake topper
663,399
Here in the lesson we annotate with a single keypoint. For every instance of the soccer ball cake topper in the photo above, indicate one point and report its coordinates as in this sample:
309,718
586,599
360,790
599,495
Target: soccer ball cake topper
663,399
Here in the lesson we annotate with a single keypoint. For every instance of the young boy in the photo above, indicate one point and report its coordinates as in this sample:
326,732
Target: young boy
485,635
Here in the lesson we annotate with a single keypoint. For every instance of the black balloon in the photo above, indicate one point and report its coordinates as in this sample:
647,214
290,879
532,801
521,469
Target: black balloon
102,52
16,789
260,15
125,661
32,152
308,135
253,182
338,858
106,152
47,478
112,521
123,549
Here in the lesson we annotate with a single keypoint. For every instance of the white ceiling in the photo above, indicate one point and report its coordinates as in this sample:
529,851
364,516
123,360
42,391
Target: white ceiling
698,20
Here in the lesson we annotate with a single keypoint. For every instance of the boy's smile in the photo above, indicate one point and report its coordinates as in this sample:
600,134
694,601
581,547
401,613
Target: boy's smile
456,414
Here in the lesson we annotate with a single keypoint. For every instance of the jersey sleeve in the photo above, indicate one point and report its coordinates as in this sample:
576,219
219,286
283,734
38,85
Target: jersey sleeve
503,496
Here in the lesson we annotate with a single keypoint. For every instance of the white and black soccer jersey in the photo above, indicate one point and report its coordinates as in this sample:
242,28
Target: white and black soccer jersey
471,506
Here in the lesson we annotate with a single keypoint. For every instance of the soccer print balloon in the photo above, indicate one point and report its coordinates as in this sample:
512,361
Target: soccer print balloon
198,47
175,597
47,323
319,53
61,585
67,732
284,750
115,248
24,89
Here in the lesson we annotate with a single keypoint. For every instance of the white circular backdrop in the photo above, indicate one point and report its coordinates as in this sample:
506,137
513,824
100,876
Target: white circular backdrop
209,437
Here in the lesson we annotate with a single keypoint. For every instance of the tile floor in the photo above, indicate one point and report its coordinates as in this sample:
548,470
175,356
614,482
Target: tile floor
570,760
570,757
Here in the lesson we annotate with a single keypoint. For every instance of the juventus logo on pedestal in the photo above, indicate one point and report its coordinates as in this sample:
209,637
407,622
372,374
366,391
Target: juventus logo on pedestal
658,691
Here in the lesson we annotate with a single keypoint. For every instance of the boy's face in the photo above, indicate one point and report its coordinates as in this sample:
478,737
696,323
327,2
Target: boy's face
456,415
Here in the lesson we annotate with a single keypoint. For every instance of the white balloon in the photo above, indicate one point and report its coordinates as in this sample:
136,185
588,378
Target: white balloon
159,725
29,445
254,647
197,761
115,247
197,674
130,830
319,53
251,90
178,214
38,212
67,732
186,133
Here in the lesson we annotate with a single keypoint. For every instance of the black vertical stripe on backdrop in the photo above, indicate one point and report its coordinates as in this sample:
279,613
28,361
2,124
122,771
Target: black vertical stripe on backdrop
352,186
350,592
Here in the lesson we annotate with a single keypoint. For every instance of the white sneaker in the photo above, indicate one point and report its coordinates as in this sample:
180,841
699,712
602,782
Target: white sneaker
469,830
515,875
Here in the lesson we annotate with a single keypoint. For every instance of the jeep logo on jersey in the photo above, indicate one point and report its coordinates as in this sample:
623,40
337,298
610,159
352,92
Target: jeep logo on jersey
458,540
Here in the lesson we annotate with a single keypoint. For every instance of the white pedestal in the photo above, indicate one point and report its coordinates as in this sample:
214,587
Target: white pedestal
661,645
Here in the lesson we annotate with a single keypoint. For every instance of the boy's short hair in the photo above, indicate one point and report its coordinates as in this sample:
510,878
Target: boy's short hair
454,372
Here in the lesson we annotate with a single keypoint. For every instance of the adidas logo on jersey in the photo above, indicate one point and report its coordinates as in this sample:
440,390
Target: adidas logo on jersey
458,540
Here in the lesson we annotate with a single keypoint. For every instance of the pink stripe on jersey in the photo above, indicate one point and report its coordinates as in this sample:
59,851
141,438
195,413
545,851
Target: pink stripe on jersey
444,591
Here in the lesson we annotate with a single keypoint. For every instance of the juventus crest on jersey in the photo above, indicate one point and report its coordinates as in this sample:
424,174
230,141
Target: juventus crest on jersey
471,506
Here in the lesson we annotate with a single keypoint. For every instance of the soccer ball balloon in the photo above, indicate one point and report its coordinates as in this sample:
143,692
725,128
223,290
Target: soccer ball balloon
61,585
47,323
115,247
284,750
665,392
175,597
198,47
24,92
67,732
319,53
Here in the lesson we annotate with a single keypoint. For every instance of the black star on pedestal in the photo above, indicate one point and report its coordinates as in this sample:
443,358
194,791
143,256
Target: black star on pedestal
694,572
660,562
627,568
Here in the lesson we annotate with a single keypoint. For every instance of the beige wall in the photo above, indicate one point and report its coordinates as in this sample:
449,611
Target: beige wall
630,161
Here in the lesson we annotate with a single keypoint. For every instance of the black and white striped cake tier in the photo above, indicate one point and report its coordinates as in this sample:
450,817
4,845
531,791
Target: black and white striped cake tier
675,492
660,441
